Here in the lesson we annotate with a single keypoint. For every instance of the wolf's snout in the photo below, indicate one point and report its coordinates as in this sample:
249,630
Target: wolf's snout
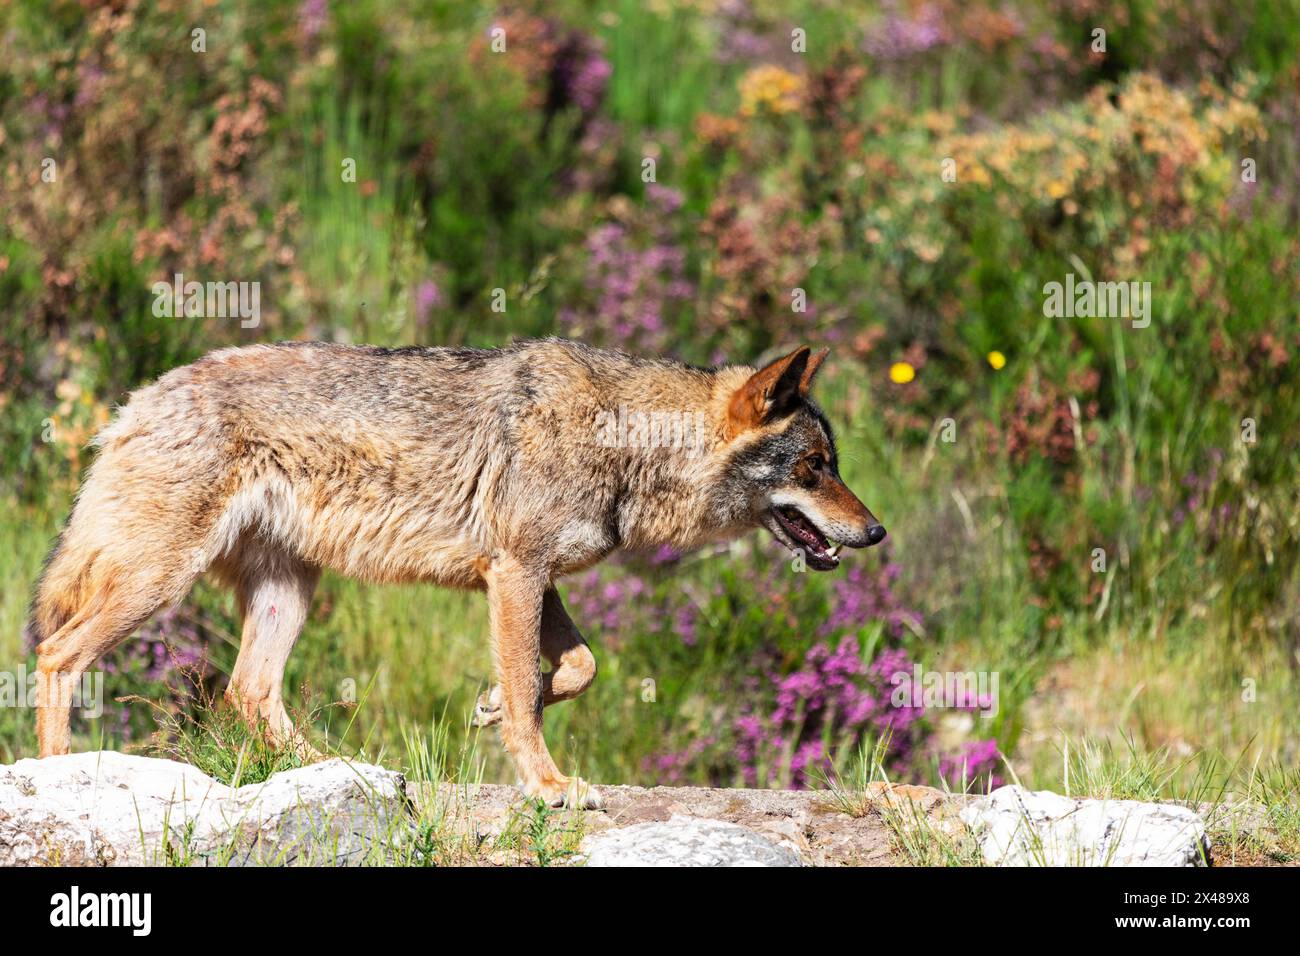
873,533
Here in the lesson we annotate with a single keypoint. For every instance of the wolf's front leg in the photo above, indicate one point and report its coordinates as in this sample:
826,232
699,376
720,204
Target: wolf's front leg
515,602
573,667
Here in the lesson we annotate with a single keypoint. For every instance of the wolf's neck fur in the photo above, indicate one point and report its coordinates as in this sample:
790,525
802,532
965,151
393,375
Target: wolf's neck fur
671,494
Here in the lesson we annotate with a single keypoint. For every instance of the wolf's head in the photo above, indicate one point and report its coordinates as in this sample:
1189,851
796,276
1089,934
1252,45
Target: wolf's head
783,468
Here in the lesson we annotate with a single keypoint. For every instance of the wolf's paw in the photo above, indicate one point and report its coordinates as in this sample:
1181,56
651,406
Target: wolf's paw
487,711
572,792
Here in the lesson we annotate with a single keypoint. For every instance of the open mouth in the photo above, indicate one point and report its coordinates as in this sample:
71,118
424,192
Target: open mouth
805,536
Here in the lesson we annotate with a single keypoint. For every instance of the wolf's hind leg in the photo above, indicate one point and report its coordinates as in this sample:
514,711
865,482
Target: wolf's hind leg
573,667
274,590
122,601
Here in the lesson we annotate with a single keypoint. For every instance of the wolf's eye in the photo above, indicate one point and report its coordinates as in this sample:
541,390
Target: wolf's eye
816,462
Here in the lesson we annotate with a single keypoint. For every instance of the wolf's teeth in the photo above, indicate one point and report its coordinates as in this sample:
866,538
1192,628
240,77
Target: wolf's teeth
835,551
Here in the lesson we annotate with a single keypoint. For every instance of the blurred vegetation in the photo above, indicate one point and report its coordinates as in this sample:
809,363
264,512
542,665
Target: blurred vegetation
778,176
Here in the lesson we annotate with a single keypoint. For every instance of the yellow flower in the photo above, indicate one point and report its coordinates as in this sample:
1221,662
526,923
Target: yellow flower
900,373
997,359
770,89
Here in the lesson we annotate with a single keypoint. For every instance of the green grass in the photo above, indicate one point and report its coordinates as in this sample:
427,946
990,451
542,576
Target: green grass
215,739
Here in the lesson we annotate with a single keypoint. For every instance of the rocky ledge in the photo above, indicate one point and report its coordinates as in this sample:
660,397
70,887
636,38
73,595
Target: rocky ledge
105,809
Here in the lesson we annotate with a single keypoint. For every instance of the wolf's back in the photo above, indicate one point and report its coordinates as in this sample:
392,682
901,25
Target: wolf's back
306,442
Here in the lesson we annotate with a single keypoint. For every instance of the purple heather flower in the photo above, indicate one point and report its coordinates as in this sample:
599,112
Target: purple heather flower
637,281
426,297
666,198
976,761
863,597
312,17
899,36
580,73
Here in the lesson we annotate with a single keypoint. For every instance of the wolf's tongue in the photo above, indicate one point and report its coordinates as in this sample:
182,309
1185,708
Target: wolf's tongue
806,531
814,542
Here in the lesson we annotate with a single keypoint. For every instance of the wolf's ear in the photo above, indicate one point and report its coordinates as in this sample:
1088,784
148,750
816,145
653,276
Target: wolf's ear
771,391
814,363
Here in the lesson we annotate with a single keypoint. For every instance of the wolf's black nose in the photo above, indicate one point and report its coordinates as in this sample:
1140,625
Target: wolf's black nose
875,534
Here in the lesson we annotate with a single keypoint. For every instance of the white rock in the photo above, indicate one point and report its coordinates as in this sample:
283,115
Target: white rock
685,841
113,809
1019,827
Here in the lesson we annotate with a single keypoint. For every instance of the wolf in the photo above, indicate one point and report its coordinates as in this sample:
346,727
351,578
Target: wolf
470,468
